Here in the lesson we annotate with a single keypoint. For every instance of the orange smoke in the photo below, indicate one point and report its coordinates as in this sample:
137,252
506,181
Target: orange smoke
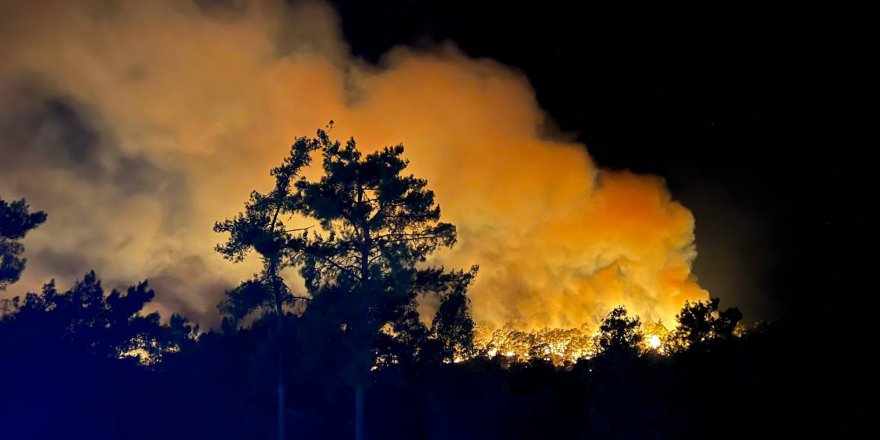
214,102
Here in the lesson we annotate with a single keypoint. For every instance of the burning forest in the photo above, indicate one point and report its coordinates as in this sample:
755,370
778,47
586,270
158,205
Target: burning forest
284,219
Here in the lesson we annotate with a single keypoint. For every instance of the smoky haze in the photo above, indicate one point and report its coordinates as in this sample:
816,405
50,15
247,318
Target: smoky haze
136,125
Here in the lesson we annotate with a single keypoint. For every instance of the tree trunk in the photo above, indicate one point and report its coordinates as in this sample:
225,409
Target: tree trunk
359,428
279,316
281,411
359,432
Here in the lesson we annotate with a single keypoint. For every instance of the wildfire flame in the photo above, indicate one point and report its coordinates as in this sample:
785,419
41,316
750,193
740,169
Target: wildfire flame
560,346
557,345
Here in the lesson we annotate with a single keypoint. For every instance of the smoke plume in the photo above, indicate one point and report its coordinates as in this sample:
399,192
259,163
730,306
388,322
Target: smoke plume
136,125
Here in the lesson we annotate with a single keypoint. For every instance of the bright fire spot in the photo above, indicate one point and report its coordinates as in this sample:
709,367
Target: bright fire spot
556,345
560,346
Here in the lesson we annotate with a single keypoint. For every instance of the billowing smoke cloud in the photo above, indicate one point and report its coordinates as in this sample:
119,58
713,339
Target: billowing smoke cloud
138,124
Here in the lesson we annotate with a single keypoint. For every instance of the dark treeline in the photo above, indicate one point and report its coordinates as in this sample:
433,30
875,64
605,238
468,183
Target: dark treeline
63,378
349,357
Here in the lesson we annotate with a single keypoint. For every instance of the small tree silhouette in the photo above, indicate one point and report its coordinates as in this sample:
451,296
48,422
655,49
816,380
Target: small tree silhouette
452,326
701,322
16,221
619,334
107,326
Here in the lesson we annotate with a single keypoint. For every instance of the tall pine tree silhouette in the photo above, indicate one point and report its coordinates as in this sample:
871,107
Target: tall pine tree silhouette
260,228
377,225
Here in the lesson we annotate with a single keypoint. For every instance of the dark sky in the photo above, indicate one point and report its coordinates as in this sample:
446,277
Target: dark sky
732,103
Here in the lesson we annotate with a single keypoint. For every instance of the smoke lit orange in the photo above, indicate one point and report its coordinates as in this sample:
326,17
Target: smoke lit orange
560,241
